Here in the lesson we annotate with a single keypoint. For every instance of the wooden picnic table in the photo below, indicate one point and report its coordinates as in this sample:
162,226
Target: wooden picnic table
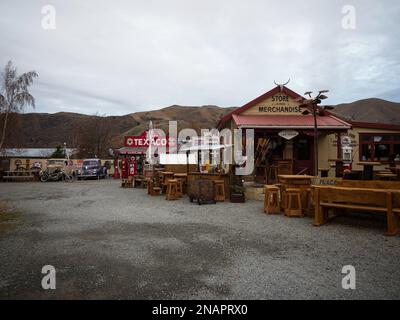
368,172
359,199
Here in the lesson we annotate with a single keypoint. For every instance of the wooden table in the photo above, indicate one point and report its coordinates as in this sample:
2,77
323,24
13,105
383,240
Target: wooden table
180,175
302,182
166,175
368,172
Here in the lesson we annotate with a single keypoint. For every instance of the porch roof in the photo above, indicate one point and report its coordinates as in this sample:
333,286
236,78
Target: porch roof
290,122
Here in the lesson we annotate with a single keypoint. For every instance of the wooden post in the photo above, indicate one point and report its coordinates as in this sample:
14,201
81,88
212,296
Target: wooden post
318,216
392,219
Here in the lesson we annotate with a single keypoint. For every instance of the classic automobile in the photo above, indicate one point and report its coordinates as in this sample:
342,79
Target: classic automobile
91,168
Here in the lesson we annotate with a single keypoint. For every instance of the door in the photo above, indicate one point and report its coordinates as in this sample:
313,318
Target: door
304,155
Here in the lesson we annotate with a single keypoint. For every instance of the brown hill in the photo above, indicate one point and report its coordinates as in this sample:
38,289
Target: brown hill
34,130
370,110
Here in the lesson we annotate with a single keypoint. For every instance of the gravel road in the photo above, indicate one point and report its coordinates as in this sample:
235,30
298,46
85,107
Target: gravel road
111,243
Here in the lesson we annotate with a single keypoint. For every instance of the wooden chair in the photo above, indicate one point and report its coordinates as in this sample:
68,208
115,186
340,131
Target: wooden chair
282,201
172,190
152,190
127,183
219,190
183,178
166,176
294,203
271,200
179,189
137,182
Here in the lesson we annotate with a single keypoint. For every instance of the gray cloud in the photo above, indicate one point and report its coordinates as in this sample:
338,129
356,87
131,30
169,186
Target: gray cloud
126,56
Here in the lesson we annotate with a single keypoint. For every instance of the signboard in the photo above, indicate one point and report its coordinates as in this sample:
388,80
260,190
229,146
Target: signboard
143,141
346,141
279,103
280,109
288,134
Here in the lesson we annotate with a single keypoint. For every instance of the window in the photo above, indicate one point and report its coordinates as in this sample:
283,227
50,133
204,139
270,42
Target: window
379,147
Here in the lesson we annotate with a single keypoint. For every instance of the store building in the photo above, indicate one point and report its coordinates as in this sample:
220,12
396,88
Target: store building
284,133
375,142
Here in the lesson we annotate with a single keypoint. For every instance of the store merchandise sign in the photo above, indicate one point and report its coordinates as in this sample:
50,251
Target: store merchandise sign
279,104
144,142
288,134
280,109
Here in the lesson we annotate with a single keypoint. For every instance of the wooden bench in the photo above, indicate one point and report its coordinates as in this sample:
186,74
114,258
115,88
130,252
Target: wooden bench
369,184
19,178
385,201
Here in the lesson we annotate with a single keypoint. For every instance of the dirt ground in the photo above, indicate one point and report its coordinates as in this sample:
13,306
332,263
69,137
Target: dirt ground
111,243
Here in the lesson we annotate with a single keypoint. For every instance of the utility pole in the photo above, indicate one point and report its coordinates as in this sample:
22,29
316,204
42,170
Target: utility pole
313,103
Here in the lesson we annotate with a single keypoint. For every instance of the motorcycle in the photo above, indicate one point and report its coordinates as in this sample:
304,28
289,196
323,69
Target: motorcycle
56,175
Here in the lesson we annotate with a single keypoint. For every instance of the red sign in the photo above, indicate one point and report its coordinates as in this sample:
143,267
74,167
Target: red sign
143,141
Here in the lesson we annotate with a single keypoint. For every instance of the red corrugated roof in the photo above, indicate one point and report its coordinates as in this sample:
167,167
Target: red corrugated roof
283,121
374,125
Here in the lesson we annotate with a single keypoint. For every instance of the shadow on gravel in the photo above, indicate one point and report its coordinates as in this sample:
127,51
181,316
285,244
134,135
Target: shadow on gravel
143,261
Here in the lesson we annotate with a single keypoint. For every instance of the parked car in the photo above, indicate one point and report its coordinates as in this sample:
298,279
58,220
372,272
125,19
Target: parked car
91,168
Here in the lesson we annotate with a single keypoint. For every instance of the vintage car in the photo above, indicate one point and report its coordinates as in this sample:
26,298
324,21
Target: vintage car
91,168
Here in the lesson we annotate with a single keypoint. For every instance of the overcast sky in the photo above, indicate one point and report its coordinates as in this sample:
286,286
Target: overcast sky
119,57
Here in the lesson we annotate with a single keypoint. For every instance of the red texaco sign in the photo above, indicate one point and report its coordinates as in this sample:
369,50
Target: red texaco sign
143,141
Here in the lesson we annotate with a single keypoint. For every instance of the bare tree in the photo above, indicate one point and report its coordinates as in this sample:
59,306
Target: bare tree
95,137
14,96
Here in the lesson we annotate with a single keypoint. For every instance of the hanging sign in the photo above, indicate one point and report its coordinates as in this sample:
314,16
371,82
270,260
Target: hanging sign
346,141
288,134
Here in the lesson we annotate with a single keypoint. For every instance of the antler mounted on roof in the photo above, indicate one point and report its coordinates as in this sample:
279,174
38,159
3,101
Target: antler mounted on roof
282,85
